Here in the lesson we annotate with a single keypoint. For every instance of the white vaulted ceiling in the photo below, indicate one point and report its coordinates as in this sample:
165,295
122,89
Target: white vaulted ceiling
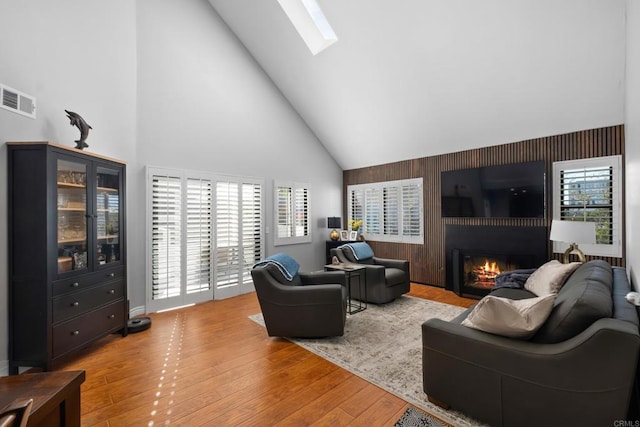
415,78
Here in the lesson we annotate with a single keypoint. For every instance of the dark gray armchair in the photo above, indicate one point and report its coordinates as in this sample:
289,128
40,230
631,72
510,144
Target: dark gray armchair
387,279
308,306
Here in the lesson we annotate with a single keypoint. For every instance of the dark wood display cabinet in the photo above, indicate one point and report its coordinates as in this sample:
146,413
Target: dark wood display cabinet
67,252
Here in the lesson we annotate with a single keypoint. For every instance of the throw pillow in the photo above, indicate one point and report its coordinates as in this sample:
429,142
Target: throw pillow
549,278
510,318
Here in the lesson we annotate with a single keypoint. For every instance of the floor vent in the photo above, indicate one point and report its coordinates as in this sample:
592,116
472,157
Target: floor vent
18,102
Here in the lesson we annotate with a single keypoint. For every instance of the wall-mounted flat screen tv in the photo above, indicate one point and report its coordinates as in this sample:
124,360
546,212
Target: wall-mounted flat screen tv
515,190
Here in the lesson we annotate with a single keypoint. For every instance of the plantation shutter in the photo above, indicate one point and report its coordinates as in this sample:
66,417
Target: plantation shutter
356,205
251,228
391,211
284,212
586,195
590,190
372,211
199,237
227,234
412,210
391,201
292,213
301,212
166,226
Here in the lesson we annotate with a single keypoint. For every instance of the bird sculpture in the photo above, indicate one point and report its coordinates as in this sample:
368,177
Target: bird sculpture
78,121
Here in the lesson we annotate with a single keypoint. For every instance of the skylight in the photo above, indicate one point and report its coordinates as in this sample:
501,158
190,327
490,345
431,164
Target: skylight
308,19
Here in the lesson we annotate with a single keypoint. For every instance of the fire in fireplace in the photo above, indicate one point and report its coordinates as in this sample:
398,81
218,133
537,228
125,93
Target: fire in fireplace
481,271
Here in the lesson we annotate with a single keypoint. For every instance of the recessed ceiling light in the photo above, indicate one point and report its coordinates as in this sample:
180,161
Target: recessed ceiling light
308,19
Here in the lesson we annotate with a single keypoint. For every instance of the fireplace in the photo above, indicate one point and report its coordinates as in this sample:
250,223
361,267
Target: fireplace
477,254
475,272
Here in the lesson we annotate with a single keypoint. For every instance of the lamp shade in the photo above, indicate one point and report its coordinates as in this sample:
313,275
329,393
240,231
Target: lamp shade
573,232
334,222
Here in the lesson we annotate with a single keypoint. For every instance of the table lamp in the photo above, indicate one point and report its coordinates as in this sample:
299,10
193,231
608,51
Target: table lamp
334,222
573,232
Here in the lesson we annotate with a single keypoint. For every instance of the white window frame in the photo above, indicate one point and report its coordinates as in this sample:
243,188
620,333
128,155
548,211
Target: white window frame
293,235
615,163
377,227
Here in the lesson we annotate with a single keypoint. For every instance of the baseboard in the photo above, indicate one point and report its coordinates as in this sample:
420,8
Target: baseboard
137,311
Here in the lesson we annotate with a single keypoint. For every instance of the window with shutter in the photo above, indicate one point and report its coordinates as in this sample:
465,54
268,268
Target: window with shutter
391,211
590,190
292,213
205,232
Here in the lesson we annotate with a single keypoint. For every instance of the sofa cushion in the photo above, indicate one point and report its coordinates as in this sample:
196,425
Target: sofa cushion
549,277
585,298
508,317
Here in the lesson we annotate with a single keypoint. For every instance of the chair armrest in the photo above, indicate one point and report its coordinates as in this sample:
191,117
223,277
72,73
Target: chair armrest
323,278
565,365
279,294
392,263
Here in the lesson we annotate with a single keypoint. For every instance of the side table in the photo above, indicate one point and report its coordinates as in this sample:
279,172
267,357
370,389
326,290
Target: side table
352,271
56,396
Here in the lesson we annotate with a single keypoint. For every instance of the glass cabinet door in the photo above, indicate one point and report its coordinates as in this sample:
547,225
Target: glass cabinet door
72,215
107,215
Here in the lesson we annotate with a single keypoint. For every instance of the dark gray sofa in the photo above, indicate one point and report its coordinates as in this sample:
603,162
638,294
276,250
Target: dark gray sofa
578,369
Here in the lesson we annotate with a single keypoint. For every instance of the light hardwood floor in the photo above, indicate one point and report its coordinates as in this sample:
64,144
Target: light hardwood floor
210,365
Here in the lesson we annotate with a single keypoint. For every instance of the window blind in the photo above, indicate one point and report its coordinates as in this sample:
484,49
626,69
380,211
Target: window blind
251,228
198,235
227,234
166,236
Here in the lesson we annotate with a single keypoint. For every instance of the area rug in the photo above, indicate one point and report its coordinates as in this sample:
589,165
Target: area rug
413,417
383,345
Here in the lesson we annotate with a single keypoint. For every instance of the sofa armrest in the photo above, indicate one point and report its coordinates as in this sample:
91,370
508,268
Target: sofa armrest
392,263
323,278
562,365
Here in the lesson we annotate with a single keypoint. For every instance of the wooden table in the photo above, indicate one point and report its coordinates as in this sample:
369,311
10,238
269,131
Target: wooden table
56,396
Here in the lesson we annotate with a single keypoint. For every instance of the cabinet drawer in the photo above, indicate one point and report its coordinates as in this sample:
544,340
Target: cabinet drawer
73,284
74,304
84,329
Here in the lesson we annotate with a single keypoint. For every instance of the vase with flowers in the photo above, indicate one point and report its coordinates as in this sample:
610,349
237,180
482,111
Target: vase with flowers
356,225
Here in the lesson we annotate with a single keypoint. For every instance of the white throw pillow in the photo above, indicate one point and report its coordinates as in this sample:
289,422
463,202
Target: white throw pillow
510,318
549,277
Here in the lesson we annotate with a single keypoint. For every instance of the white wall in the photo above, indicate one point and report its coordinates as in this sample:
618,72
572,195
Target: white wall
205,105
77,55
632,141
162,83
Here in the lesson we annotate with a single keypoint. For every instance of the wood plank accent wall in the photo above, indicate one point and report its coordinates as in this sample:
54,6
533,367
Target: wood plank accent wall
428,260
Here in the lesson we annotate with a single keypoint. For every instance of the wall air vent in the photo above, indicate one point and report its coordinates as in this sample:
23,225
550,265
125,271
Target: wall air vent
18,102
